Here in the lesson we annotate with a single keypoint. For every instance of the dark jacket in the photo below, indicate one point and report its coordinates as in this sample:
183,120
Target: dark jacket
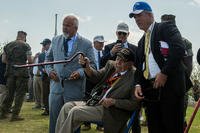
106,53
41,59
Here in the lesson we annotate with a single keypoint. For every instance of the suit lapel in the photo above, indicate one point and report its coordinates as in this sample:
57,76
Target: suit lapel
121,81
155,44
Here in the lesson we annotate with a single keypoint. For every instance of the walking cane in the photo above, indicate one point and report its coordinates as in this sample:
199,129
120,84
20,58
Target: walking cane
50,63
193,116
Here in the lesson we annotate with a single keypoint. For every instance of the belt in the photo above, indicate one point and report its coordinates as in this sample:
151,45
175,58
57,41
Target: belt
37,75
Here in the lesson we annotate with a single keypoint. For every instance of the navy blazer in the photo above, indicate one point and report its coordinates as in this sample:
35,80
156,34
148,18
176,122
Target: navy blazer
41,59
106,53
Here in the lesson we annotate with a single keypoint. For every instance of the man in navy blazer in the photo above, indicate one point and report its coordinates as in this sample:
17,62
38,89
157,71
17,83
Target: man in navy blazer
110,50
160,73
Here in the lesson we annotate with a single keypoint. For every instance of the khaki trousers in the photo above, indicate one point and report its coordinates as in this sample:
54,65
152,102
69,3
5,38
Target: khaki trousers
73,114
37,89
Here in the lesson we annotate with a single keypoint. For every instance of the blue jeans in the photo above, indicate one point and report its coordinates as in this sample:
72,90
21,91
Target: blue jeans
55,104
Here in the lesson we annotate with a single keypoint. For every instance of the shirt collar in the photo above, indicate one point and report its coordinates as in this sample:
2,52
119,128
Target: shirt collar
151,27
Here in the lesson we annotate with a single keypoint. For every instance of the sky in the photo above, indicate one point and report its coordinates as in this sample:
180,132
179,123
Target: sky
96,17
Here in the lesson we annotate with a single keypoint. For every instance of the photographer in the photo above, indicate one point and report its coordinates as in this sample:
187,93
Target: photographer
110,50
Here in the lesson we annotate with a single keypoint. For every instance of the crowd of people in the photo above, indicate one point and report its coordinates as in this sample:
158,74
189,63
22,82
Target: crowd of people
103,85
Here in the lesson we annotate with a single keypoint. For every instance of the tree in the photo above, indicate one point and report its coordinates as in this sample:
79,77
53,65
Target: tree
1,46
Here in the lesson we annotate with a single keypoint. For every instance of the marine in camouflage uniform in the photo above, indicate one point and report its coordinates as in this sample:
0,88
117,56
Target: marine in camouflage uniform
16,52
187,61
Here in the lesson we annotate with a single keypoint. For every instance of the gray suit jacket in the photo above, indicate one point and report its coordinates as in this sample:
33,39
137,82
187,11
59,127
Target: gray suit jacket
73,89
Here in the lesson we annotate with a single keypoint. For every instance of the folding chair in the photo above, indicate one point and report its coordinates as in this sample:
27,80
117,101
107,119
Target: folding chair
130,123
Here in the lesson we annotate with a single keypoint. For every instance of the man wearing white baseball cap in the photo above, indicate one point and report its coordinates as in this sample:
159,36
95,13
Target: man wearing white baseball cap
110,50
160,73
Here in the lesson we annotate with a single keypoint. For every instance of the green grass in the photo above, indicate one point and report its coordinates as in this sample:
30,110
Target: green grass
35,123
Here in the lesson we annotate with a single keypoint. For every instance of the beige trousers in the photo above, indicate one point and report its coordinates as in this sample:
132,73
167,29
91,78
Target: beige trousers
37,89
73,114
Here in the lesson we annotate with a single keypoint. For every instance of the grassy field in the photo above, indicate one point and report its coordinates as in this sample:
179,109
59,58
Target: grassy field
35,123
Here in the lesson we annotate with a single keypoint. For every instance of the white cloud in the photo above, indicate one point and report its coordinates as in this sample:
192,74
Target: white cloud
194,3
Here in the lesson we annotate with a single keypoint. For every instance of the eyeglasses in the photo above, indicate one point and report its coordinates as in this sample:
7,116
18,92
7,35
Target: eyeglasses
122,33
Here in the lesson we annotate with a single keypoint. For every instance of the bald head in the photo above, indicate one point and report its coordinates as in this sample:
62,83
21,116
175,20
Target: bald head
70,26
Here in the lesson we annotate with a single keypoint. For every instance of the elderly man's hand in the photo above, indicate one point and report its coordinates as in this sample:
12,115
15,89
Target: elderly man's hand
107,102
74,75
84,61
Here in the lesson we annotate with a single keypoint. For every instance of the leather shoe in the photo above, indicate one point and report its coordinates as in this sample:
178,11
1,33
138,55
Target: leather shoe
16,118
99,128
46,112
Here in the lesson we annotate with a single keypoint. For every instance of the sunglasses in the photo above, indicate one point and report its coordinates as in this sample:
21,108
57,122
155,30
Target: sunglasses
122,33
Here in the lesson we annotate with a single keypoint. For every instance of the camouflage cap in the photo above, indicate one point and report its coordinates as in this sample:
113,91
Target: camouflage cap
168,17
126,54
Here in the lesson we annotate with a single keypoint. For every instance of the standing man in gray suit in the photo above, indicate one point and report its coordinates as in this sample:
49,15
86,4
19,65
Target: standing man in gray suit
67,80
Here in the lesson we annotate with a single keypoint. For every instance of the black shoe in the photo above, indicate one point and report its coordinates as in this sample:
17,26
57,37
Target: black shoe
16,118
100,128
46,112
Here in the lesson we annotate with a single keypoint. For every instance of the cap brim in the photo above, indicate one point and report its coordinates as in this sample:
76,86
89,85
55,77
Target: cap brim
99,41
135,13
125,31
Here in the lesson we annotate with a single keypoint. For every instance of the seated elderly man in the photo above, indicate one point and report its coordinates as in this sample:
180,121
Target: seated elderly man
114,107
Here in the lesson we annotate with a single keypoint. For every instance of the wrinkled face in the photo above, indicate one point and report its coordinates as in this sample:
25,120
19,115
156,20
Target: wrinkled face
98,45
122,36
69,27
143,20
120,63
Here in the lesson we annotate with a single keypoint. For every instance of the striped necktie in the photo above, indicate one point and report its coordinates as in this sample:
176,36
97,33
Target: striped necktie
146,50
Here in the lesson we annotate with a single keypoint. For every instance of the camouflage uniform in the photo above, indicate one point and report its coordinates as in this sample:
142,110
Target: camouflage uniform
17,78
